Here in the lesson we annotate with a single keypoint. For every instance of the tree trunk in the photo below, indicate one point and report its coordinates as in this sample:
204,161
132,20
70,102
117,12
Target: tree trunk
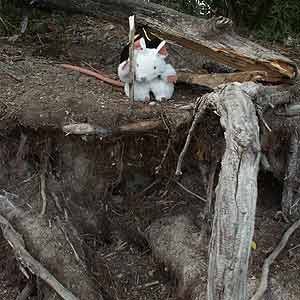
213,38
236,194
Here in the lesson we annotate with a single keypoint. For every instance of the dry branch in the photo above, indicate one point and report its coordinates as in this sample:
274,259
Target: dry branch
213,80
270,259
210,80
43,194
131,57
190,192
29,262
132,128
213,38
115,83
201,106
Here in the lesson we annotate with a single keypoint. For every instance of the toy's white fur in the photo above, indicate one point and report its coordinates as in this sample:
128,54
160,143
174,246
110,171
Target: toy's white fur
151,72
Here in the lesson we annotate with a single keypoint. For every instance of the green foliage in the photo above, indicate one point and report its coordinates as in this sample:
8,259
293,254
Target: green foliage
269,19
11,14
283,21
192,7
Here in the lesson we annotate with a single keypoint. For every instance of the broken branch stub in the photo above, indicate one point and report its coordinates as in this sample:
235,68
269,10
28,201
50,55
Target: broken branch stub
236,194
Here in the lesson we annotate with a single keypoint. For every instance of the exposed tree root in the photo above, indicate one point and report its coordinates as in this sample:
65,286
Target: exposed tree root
59,259
291,190
17,243
199,111
270,259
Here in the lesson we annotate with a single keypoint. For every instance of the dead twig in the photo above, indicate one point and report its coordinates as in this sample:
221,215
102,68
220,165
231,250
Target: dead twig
114,83
77,257
202,104
165,153
16,242
20,152
270,259
131,57
56,200
43,194
121,167
159,167
43,177
190,192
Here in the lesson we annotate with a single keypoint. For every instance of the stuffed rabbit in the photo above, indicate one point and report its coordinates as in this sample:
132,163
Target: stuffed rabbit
152,73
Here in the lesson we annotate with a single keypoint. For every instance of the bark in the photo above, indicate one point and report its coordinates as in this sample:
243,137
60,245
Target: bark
213,38
236,194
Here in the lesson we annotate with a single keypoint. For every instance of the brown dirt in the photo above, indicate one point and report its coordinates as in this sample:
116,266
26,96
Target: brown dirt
48,97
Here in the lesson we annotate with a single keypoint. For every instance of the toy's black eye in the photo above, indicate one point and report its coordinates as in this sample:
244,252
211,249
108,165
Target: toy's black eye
154,67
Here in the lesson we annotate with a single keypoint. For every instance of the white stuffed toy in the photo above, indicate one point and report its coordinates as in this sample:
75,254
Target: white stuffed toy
152,73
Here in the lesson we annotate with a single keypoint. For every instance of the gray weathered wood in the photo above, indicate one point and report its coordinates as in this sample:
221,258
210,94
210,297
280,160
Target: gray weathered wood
236,195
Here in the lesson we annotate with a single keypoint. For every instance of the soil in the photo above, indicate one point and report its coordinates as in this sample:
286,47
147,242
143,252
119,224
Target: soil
41,96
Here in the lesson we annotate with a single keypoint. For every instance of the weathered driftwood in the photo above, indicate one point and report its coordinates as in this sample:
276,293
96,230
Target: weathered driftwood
236,193
49,249
213,38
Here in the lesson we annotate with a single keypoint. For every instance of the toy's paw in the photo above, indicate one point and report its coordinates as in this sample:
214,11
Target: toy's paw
172,78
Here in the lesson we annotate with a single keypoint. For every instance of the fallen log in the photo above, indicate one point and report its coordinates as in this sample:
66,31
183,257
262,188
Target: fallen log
213,38
213,80
209,80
